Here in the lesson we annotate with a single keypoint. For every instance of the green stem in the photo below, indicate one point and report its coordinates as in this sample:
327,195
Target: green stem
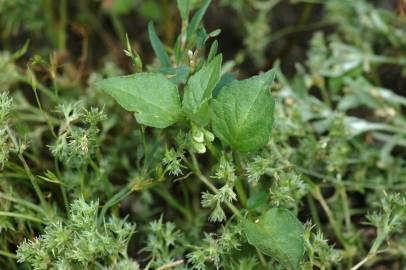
324,94
62,187
22,216
118,28
313,211
82,182
45,115
174,203
239,187
213,150
296,29
65,198
145,146
40,87
196,169
261,257
119,196
23,203
344,198
337,230
49,18
362,262
105,180
34,183
8,254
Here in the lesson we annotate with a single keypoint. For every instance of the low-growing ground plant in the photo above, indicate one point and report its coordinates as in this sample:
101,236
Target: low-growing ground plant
183,163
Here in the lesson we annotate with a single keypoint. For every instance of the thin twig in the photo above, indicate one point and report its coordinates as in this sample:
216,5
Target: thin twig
361,263
170,265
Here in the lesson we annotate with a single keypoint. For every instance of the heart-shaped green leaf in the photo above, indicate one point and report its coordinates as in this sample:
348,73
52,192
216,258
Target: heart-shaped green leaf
279,234
243,113
153,98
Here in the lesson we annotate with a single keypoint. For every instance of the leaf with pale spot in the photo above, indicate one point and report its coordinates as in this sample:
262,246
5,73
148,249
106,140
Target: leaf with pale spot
279,234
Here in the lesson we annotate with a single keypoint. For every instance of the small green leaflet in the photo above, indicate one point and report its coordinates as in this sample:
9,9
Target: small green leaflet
50,177
279,234
201,37
242,113
153,98
197,18
198,92
213,50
